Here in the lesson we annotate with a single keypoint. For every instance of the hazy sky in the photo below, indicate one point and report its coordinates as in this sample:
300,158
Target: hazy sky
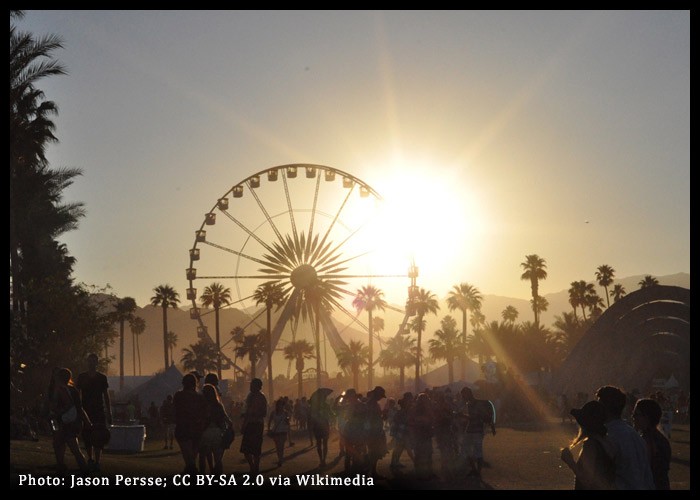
497,134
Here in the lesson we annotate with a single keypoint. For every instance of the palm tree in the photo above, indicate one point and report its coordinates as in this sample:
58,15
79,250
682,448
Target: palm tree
567,332
618,291
298,351
271,294
464,297
124,312
138,326
37,215
400,353
216,295
172,344
423,302
605,275
594,304
535,269
165,296
447,344
201,356
354,356
509,314
252,346
539,305
578,294
648,281
369,298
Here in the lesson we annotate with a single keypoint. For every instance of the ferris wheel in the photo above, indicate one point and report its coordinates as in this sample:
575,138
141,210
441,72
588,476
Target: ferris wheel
309,229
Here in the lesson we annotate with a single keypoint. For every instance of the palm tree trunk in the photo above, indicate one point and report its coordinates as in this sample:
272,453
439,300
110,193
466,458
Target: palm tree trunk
133,351
165,335
418,354
138,351
401,378
463,355
121,355
300,368
218,343
371,354
270,389
607,297
318,354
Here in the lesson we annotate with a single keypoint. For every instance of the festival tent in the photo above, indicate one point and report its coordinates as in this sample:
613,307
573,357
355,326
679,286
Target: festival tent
157,388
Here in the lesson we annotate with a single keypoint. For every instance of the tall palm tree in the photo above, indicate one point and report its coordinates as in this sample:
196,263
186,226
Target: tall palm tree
464,297
535,269
252,346
605,275
36,212
447,344
216,295
165,296
369,298
138,326
648,281
618,291
594,303
172,344
298,351
271,294
201,356
509,314
354,356
422,303
124,312
400,353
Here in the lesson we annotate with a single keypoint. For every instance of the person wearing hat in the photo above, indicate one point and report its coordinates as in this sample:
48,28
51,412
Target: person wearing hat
594,469
376,437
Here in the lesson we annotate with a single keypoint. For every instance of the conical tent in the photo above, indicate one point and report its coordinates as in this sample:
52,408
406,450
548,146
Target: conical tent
158,387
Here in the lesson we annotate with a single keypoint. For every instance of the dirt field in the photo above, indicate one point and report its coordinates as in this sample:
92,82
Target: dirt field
517,459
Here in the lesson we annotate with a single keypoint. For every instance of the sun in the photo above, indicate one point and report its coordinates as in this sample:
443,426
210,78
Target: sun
428,217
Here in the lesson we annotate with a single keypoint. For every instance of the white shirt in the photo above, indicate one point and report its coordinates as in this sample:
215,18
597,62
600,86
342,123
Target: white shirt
632,469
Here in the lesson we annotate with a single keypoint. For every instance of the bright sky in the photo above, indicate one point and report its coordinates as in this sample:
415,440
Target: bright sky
493,134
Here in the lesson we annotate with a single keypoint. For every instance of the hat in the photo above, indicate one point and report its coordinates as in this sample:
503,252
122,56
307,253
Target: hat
379,392
590,415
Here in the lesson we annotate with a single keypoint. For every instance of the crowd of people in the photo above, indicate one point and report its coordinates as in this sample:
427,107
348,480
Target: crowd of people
612,453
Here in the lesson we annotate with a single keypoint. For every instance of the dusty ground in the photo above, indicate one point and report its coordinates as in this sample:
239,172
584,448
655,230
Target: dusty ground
518,459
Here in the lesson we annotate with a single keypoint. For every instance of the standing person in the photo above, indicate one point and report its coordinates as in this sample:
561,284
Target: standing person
320,416
188,404
67,418
215,423
278,428
421,424
479,413
632,470
167,416
94,394
254,425
400,432
375,435
646,417
594,469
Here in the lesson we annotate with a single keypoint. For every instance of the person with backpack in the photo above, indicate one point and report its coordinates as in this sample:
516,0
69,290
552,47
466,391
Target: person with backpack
478,413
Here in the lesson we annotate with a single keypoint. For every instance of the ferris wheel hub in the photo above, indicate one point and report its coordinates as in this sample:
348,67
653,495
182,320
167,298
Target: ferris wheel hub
304,276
